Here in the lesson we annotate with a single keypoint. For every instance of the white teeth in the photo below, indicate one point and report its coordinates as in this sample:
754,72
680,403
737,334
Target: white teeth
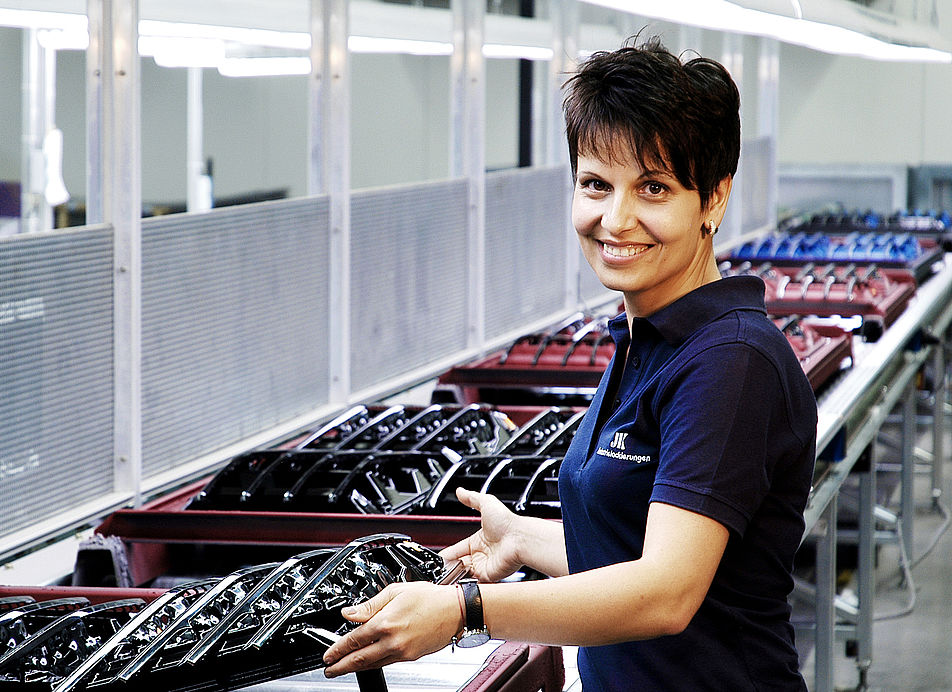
624,251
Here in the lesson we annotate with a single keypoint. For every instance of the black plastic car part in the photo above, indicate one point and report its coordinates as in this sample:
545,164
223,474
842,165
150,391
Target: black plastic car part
257,624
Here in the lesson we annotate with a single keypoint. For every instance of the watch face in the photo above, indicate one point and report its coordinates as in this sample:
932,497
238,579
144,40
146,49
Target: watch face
472,638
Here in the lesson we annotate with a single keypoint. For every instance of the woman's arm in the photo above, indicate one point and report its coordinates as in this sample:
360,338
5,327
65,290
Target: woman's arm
505,541
655,595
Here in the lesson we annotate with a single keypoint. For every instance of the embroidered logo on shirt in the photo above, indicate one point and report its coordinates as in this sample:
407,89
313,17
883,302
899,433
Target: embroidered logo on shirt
616,450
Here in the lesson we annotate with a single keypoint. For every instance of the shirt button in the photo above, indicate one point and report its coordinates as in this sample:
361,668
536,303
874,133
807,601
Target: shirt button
635,362
617,402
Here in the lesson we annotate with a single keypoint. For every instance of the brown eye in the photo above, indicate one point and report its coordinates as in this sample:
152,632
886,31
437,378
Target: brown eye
595,185
654,188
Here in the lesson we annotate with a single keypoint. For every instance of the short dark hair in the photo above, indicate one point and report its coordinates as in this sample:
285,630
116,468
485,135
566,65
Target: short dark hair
642,100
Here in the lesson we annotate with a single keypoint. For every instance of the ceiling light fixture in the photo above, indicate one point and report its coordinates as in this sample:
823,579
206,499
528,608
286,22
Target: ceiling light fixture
372,44
170,51
265,67
38,19
499,50
828,38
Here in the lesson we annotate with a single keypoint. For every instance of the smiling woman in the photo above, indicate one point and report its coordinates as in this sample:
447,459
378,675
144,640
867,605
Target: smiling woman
644,193
683,490
644,233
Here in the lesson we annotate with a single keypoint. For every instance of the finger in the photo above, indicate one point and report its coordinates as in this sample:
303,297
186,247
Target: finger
470,498
365,657
462,549
355,640
458,551
365,610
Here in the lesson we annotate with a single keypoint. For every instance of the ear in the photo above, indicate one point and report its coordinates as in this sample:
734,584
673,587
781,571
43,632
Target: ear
717,202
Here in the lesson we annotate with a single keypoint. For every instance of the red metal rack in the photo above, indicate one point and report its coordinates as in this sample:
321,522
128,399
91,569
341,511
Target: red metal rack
869,291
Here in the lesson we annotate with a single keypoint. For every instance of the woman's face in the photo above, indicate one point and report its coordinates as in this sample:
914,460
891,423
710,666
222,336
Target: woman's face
642,231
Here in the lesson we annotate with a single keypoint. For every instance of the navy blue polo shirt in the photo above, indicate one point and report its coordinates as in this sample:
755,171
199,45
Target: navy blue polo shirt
709,411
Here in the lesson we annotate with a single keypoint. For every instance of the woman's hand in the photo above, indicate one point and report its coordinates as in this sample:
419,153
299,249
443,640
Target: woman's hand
401,623
493,552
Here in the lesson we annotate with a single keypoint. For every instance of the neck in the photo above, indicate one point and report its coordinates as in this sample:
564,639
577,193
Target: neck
645,305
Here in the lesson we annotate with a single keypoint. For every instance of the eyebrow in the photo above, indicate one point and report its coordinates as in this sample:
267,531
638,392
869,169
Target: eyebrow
656,172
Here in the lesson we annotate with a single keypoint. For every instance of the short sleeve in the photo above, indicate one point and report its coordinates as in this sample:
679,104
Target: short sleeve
723,415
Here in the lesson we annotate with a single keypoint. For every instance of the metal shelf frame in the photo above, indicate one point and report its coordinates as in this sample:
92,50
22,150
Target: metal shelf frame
851,416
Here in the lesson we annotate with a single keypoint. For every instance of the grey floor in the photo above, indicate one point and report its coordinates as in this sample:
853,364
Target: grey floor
912,634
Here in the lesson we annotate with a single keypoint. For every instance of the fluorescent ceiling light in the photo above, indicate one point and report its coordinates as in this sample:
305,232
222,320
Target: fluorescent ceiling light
264,67
375,44
727,16
498,50
36,19
257,37
299,65
63,39
182,52
369,44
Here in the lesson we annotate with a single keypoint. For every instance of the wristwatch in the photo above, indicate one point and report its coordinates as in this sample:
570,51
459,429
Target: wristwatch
474,630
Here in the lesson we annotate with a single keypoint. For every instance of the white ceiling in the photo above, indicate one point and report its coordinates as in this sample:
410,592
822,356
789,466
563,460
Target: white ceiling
379,19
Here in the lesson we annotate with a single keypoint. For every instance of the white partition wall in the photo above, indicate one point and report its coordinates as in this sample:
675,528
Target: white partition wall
526,237
235,325
56,374
409,268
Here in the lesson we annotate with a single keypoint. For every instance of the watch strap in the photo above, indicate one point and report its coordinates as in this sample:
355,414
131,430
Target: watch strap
473,603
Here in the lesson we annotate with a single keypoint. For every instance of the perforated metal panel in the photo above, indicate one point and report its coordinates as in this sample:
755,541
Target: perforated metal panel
234,325
408,278
526,219
56,373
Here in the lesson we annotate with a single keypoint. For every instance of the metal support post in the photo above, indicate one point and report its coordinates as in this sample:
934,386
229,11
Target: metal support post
564,61
198,187
907,506
941,391
540,112
733,59
39,102
330,169
825,594
113,38
96,96
768,92
468,148
866,567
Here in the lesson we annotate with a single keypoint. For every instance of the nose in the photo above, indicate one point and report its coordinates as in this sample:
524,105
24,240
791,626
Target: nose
621,214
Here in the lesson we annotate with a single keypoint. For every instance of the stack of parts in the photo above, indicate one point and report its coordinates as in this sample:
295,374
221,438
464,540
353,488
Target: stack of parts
558,366
877,295
936,225
821,348
563,365
916,254
402,460
258,623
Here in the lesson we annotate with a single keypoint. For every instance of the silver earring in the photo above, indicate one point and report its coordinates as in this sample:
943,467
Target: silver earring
712,228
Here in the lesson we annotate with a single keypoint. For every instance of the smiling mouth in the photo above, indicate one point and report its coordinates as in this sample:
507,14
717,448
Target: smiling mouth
624,250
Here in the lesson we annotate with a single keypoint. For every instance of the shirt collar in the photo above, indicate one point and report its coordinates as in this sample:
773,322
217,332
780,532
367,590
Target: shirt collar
677,321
